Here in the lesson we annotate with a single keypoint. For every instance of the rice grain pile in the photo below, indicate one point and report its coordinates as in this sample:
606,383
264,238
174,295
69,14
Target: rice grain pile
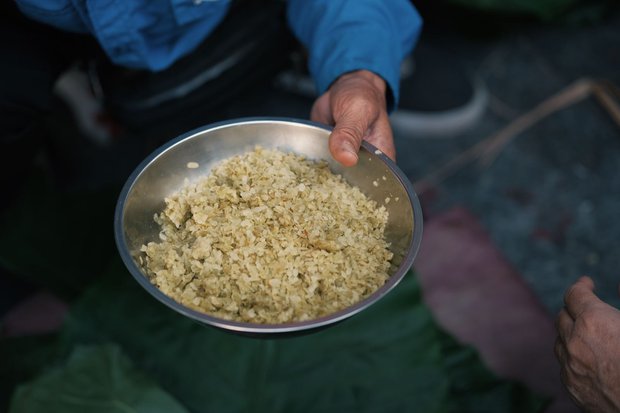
269,237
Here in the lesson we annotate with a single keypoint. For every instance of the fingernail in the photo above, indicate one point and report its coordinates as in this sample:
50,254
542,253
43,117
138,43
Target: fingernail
351,158
349,148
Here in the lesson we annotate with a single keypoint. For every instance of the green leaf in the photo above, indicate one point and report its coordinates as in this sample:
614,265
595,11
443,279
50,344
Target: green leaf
391,357
23,358
95,380
57,240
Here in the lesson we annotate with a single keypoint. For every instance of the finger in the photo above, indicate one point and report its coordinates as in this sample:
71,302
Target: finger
321,110
559,351
580,296
348,133
381,136
564,325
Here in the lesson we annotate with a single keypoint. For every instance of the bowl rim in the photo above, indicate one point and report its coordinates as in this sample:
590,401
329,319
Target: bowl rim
251,328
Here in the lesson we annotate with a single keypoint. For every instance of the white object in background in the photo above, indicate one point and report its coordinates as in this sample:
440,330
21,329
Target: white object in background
73,87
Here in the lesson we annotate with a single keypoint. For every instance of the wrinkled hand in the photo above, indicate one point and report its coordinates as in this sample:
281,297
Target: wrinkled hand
355,104
588,348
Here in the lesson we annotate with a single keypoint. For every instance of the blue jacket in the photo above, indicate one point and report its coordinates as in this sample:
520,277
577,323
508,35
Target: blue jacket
341,35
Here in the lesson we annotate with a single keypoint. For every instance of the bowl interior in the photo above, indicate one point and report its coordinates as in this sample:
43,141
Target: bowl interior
166,171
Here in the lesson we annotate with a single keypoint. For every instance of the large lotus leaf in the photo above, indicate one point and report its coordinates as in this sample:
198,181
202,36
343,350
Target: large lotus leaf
95,380
22,359
392,357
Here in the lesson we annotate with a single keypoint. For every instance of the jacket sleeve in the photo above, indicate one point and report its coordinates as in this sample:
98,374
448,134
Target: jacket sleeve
346,35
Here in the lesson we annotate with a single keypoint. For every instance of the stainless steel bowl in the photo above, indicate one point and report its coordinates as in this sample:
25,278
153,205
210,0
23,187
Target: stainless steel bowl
165,171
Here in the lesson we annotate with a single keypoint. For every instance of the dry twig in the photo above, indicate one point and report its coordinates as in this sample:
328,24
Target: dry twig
487,150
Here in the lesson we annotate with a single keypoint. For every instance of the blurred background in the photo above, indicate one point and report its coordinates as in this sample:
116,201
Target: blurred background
509,111
550,195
